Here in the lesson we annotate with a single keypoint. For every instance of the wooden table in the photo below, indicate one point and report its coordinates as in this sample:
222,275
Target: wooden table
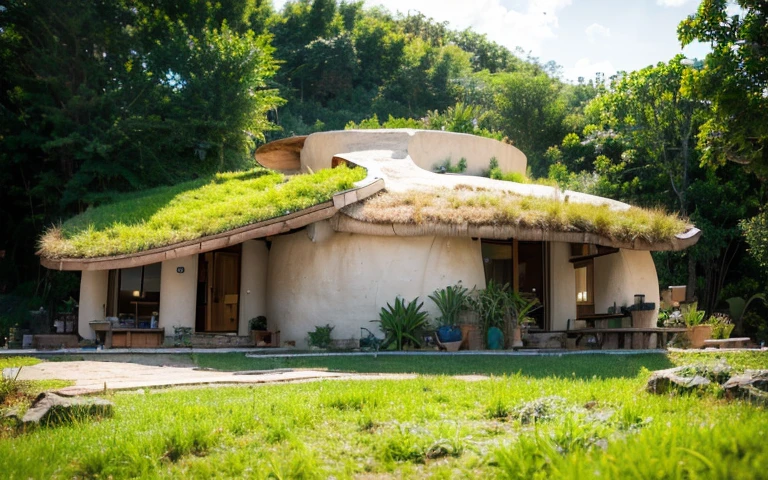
128,337
629,338
602,318
137,337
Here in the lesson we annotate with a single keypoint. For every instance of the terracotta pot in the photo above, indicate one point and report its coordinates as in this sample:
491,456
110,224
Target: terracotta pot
471,337
517,337
699,333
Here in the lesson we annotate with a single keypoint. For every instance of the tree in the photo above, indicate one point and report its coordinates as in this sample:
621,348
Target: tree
99,98
734,78
643,142
530,112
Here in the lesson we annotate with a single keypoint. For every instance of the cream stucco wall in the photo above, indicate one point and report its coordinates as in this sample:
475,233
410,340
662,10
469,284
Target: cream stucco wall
93,300
178,294
563,284
427,148
430,147
345,279
254,261
619,276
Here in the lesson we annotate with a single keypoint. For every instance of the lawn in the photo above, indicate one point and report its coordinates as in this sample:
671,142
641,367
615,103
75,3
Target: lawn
545,418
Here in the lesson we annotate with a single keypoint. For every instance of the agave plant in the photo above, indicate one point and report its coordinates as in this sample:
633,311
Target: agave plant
450,301
402,323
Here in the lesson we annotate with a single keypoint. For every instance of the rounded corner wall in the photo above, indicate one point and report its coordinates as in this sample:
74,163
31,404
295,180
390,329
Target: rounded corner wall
430,148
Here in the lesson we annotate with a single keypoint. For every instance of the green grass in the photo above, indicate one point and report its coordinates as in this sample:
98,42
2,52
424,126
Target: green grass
526,425
478,206
569,366
168,215
18,394
8,361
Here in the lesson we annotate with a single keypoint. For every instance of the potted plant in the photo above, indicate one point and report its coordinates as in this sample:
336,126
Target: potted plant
257,326
521,306
450,301
493,305
698,331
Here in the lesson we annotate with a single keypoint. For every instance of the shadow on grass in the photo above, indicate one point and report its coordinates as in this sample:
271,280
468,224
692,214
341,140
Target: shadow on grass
566,366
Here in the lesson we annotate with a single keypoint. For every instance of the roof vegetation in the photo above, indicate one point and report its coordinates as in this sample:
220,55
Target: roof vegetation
478,206
167,215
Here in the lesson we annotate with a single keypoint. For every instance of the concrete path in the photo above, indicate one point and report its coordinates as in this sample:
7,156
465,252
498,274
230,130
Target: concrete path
94,377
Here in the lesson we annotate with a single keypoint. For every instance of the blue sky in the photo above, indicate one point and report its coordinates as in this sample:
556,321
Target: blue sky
584,36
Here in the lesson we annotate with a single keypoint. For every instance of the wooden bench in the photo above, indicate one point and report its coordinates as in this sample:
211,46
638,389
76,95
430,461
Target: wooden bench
739,342
626,338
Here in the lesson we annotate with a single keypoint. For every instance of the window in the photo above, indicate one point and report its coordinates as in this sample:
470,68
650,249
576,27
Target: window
584,274
134,293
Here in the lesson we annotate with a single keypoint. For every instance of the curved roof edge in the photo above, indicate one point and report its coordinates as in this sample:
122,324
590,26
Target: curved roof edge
283,155
347,224
266,228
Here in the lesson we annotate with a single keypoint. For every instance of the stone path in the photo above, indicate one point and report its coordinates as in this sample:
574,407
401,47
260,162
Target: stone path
94,377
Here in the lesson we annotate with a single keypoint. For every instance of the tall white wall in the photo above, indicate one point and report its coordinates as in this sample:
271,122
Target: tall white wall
619,276
254,262
345,279
94,285
178,294
563,282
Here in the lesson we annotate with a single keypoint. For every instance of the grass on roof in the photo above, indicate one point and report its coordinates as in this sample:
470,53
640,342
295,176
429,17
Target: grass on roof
187,211
465,204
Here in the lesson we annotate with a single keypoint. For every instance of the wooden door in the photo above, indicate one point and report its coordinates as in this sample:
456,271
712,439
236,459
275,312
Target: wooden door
224,292
531,276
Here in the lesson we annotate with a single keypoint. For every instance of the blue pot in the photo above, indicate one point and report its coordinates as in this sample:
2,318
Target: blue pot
495,339
449,333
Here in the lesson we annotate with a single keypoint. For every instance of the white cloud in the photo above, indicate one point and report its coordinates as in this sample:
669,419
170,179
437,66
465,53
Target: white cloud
584,67
527,26
596,30
672,3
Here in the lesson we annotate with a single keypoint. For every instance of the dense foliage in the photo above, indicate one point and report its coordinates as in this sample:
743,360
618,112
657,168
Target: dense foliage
102,98
99,98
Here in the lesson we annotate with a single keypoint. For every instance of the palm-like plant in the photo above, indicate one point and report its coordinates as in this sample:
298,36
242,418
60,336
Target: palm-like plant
450,301
522,305
402,323
492,304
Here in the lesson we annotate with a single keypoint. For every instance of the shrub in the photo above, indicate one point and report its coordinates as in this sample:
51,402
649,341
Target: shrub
321,337
402,323
258,323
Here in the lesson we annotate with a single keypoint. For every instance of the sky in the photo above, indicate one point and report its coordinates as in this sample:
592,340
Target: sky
583,36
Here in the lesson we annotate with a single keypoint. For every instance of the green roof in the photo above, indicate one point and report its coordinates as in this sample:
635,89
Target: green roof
168,215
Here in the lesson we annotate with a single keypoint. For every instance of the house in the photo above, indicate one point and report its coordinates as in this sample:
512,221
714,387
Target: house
401,230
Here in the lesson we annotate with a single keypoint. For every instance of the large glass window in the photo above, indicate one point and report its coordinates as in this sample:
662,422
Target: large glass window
497,260
134,294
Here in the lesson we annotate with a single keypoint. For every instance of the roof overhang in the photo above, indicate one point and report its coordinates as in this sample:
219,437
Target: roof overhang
346,223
